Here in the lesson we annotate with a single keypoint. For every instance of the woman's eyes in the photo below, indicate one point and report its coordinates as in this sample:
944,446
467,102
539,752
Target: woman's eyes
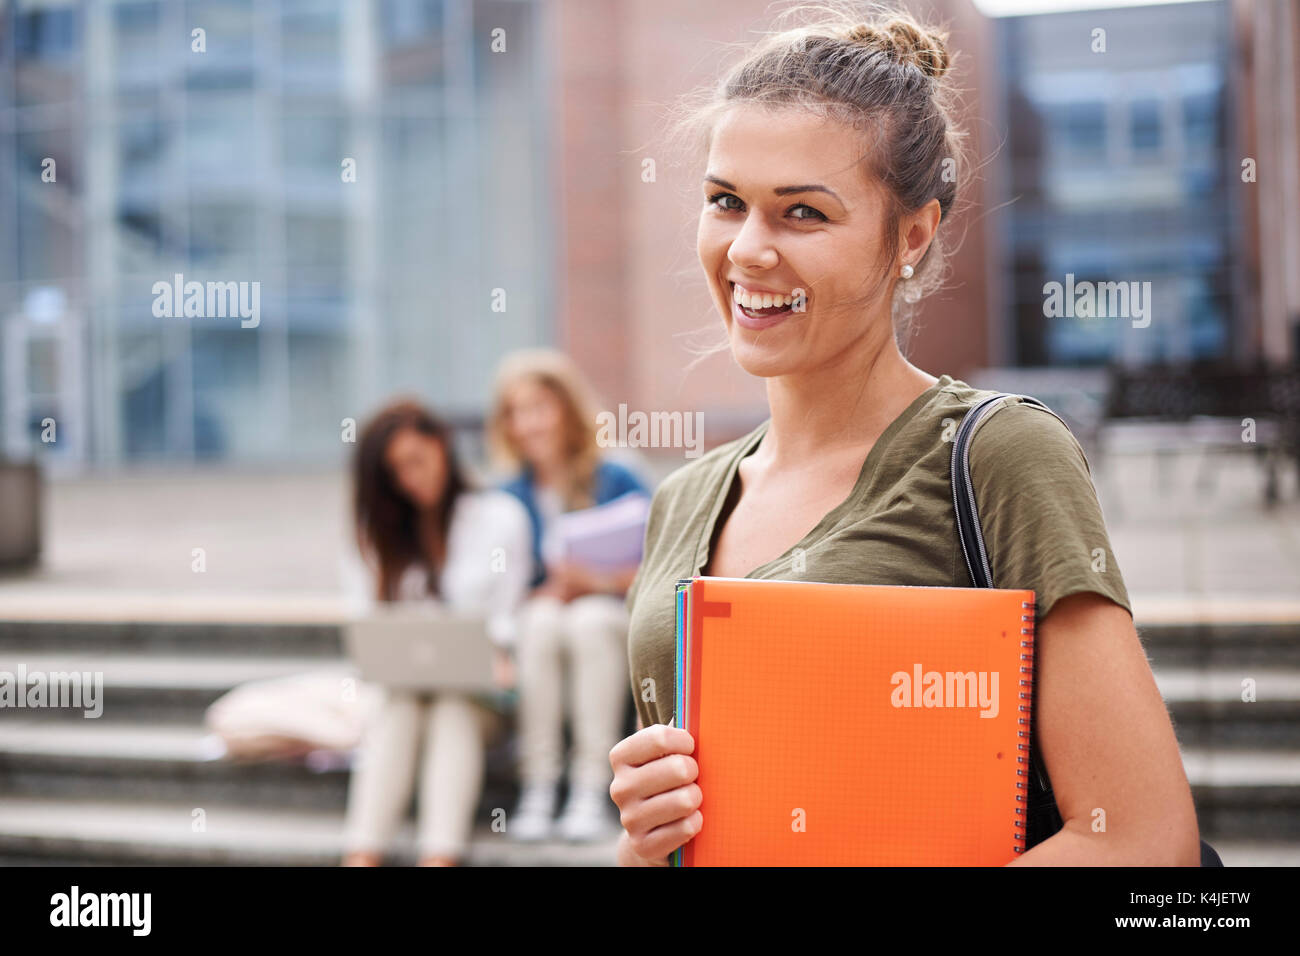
815,213
715,200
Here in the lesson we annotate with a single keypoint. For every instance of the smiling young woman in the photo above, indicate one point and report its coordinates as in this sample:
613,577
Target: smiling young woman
832,167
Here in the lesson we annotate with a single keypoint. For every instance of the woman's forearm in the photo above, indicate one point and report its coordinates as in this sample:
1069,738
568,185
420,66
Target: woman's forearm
1077,845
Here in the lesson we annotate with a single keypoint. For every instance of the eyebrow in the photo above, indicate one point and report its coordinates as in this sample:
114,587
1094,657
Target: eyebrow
781,190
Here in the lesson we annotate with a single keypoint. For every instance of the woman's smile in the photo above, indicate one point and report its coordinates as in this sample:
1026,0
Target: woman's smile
758,309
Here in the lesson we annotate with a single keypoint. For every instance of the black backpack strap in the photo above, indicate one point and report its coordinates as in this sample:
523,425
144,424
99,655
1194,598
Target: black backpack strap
1042,816
963,491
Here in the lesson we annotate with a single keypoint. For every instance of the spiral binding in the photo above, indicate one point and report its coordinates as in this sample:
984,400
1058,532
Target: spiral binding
1025,707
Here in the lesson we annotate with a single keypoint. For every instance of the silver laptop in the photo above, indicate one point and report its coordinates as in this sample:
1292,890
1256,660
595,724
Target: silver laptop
425,650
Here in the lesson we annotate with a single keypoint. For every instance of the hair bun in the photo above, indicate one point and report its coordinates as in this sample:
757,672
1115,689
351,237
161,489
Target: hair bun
906,42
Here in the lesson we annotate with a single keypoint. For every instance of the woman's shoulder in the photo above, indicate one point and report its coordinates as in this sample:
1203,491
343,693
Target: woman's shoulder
1008,435
1038,505
956,398
1022,435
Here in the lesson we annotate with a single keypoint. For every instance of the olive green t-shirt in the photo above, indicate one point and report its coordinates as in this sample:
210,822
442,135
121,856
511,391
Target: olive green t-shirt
1043,526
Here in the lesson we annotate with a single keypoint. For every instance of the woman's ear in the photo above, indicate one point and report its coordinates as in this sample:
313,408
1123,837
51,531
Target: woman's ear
917,231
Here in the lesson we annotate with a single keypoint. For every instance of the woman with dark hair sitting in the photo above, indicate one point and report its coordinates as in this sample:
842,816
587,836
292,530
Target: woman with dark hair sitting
427,536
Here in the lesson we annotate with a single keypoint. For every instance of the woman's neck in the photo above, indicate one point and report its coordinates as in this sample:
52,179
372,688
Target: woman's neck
549,474
848,402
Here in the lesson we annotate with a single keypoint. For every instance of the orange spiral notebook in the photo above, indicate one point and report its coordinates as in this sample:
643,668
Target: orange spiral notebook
848,725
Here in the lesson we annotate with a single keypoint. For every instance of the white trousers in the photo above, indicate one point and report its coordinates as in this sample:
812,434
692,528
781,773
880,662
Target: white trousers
444,734
589,635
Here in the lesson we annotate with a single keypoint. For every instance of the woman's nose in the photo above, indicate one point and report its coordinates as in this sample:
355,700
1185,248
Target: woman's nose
753,247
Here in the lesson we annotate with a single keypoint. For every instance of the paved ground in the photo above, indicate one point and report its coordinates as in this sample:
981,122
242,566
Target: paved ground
1195,526
272,543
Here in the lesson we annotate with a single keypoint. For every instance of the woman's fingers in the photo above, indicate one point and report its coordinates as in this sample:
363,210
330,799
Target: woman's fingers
650,779
661,841
650,743
643,816
655,790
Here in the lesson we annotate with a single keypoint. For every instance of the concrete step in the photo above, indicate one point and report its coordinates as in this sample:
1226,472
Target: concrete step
1216,644
37,830
159,671
148,687
1239,793
1257,853
1225,635
1246,794
319,639
96,833
174,688
123,761
1182,685
180,762
1209,713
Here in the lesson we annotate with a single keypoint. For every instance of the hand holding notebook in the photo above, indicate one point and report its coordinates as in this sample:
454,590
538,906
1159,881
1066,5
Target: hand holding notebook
656,793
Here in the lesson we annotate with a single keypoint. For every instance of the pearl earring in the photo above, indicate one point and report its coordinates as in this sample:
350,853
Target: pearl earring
907,271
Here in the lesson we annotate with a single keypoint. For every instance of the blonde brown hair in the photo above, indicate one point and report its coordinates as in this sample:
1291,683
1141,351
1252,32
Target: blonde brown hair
878,70
556,372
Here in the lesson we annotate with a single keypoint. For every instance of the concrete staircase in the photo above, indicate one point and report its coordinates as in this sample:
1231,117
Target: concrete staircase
124,788
1242,758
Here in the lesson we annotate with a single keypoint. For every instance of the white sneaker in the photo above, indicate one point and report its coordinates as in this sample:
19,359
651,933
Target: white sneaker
532,818
586,815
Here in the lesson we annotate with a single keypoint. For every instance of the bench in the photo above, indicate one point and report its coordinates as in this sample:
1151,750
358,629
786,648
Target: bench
1206,407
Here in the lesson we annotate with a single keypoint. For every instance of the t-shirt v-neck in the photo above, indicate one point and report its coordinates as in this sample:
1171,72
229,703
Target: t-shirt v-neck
1039,513
723,495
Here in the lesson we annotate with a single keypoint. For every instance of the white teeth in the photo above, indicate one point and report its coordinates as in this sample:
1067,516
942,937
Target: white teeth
763,300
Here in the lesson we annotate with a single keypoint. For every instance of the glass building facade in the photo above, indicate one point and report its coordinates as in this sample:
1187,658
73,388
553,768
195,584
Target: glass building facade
377,168
1119,171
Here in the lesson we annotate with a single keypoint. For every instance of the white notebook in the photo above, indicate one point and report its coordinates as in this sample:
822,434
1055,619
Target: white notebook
607,537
